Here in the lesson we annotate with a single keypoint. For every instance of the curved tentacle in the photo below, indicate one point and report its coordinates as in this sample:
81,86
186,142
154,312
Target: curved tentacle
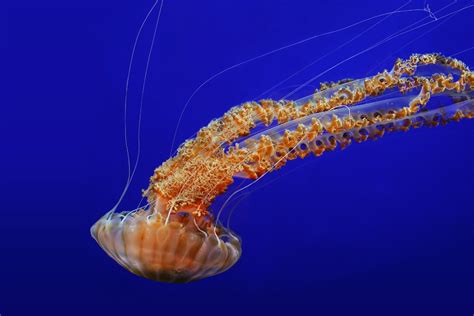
257,137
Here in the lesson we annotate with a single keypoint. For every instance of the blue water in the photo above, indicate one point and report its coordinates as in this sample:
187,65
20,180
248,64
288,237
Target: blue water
382,228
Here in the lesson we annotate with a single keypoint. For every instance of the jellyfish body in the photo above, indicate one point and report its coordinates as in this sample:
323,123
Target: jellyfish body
176,238
176,252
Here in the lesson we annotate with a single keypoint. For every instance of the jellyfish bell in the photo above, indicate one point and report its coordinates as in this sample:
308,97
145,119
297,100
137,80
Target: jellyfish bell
182,248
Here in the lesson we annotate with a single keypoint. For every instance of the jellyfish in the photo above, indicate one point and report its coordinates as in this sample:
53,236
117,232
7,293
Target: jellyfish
177,237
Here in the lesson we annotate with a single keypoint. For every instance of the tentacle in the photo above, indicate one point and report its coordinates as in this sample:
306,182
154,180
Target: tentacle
257,137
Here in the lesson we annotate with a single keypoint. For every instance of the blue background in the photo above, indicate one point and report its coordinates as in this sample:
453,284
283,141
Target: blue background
382,228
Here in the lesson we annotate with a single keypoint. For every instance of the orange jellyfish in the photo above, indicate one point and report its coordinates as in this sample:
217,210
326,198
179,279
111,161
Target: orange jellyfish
176,238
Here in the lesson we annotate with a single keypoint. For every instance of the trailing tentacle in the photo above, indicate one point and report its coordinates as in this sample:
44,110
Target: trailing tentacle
257,137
